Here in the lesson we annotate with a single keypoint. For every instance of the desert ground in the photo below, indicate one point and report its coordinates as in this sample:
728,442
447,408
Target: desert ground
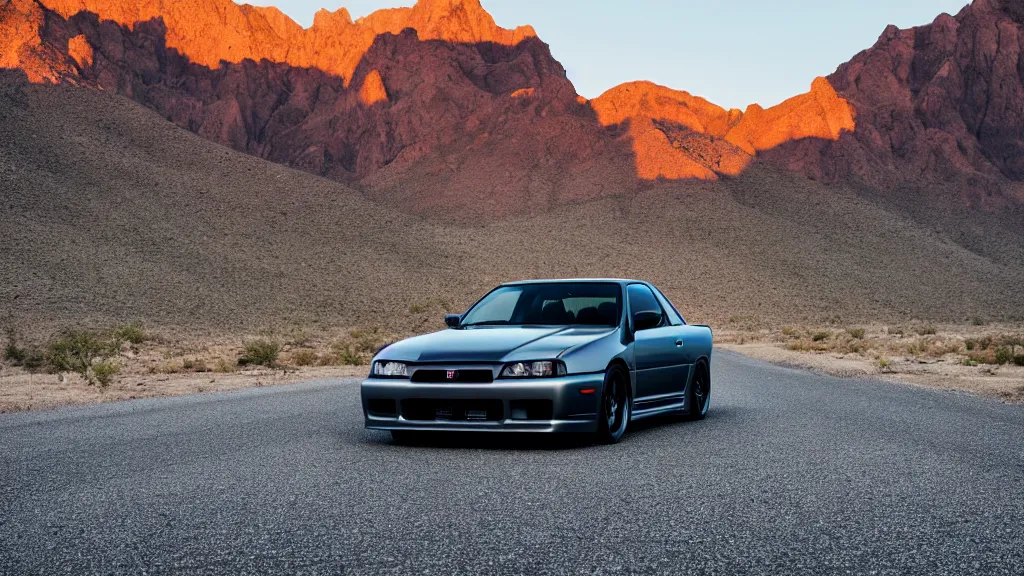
113,216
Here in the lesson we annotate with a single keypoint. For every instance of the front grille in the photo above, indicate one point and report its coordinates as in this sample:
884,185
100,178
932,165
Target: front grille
460,376
453,410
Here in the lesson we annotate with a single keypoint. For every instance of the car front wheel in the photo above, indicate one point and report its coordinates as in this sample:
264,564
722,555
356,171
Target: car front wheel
615,406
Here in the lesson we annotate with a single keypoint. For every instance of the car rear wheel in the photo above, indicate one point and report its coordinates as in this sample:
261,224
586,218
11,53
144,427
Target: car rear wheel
615,406
700,392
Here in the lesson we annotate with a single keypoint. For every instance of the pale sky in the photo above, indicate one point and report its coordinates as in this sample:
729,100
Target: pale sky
732,52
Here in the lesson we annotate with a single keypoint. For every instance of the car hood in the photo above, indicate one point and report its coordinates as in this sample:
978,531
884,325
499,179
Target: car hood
493,344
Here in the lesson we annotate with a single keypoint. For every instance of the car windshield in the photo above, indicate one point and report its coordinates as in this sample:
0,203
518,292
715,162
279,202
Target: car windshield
554,304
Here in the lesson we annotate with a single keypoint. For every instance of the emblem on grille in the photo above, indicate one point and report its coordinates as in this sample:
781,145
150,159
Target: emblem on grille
453,374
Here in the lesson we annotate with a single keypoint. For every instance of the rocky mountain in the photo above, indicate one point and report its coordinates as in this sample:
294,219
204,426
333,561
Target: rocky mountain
942,102
440,111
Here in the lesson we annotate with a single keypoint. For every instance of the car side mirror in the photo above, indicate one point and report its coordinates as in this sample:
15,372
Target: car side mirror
453,320
646,320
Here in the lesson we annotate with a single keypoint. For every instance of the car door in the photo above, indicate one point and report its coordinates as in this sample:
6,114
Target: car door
658,351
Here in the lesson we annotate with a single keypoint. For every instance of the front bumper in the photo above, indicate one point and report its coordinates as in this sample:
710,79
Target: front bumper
549,405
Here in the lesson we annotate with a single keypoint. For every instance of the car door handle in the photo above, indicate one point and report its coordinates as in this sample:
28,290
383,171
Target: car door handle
679,343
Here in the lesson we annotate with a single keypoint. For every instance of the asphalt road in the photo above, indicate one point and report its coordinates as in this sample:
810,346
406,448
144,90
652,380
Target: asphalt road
792,473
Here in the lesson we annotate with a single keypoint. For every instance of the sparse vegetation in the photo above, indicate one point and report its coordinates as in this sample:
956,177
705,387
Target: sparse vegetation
13,353
1003,355
225,367
133,334
820,336
927,331
260,353
197,365
345,354
104,372
80,351
884,364
305,357
857,333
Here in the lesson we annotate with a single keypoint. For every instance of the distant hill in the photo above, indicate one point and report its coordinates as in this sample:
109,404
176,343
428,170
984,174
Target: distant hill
110,213
209,165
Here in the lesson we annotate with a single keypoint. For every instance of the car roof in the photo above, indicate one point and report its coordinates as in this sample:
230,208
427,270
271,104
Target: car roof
577,281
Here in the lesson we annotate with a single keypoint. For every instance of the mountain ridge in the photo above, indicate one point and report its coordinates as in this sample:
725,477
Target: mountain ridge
480,120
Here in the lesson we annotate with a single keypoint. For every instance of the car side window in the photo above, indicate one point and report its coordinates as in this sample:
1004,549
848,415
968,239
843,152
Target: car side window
674,317
641,299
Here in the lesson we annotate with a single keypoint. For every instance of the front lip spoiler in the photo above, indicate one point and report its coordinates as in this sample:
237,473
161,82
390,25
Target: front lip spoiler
511,426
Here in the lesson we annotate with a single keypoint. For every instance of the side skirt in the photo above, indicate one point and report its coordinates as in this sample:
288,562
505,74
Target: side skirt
654,406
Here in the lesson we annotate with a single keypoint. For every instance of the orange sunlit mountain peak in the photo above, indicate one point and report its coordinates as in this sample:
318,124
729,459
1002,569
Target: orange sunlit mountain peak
209,32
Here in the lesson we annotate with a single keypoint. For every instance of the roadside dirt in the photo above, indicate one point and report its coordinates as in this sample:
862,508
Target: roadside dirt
20,391
945,366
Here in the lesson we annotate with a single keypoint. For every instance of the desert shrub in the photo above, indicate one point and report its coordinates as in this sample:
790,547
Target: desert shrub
853,346
77,350
986,342
970,345
917,348
799,346
346,354
820,336
1004,355
970,362
12,352
1019,360
197,365
304,357
857,333
790,332
417,309
884,364
133,334
224,367
927,331
260,353
104,372
978,321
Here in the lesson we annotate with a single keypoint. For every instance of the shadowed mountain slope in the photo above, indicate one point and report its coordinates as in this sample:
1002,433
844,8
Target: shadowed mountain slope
111,213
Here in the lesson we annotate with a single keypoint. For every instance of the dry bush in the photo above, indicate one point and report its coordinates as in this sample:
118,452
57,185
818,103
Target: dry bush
857,333
305,357
133,334
260,353
197,365
104,372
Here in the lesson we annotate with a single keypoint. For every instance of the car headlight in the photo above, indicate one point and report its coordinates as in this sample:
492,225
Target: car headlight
538,369
390,370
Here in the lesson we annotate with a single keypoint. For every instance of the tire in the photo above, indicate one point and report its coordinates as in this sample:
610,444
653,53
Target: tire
616,406
699,394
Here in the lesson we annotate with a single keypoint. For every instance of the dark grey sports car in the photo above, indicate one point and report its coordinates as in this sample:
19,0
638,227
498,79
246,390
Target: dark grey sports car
581,356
